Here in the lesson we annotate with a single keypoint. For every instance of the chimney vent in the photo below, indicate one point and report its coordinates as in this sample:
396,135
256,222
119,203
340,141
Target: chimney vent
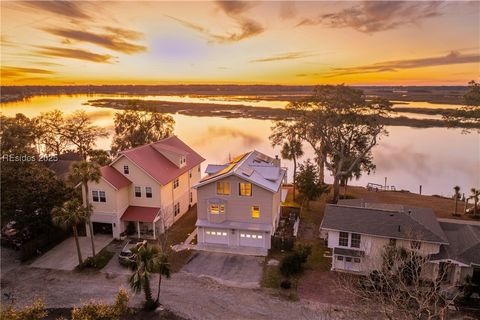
276,162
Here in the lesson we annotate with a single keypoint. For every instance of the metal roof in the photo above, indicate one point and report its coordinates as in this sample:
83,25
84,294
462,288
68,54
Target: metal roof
254,166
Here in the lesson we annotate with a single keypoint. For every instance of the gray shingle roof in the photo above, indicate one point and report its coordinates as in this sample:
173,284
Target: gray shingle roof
464,240
411,223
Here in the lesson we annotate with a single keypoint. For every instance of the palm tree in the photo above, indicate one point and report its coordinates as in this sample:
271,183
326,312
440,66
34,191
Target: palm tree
85,172
148,260
456,196
69,215
292,150
163,270
475,196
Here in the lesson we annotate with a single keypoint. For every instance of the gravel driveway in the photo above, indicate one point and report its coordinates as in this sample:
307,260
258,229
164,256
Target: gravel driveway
184,294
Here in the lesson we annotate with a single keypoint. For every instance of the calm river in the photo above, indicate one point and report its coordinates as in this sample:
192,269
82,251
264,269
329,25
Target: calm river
436,158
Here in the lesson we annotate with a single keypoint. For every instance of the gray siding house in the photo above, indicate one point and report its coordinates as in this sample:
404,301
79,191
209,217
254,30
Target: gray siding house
358,232
238,204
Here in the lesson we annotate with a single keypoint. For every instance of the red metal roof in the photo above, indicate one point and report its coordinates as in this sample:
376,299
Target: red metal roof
142,214
157,165
114,177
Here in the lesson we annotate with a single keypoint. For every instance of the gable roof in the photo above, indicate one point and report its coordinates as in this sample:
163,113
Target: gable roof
254,167
149,158
412,223
115,178
464,242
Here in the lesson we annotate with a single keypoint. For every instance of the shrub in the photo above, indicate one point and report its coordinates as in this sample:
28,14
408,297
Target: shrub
102,311
34,312
286,284
292,264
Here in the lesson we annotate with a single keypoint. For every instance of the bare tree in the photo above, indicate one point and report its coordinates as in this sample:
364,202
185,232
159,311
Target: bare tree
405,286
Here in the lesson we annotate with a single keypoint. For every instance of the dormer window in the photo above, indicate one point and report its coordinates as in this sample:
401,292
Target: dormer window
126,170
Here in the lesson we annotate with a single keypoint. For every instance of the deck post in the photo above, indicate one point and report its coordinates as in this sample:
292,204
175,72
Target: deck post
153,223
138,229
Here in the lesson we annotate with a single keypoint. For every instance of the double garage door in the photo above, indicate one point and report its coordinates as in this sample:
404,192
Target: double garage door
247,238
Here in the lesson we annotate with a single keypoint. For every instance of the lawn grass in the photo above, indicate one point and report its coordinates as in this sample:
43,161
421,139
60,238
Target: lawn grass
100,260
177,234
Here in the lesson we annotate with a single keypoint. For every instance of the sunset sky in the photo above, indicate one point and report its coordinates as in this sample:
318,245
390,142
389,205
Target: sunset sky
368,43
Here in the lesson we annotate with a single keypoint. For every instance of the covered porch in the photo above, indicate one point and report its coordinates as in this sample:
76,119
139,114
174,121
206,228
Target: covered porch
141,222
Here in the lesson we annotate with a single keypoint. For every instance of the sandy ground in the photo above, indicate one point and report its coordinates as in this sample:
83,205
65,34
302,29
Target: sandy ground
187,295
442,207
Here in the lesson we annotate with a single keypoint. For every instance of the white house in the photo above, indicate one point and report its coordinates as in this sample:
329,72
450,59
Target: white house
143,185
358,232
239,204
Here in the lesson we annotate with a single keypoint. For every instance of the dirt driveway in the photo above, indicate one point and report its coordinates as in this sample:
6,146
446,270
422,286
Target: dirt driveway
228,269
184,294
64,256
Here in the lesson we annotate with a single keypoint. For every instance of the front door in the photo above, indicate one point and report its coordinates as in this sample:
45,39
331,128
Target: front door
348,263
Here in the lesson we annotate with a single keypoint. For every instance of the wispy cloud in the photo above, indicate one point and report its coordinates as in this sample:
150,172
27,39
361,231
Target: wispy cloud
12,72
69,9
189,25
287,10
112,41
376,16
78,54
284,56
235,10
453,57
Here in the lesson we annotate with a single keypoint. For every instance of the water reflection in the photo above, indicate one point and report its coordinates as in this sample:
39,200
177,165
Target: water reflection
435,158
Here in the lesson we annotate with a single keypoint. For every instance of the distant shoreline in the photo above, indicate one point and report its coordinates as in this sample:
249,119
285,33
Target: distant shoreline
259,113
430,94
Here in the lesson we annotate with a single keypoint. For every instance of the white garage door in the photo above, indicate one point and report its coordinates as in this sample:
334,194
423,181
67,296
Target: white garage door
252,239
216,236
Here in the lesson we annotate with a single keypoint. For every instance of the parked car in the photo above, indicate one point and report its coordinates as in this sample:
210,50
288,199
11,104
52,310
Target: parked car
126,256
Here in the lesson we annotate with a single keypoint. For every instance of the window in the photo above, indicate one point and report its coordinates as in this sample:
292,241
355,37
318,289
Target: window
102,196
245,189
175,183
148,192
340,258
415,245
348,259
125,170
355,240
392,242
190,173
343,239
138,192
356,260
95,196
176,208
191,197
198,168
217,208
255,212
223,188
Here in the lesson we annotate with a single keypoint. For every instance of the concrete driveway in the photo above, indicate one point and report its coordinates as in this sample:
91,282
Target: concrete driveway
64,256
228,269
